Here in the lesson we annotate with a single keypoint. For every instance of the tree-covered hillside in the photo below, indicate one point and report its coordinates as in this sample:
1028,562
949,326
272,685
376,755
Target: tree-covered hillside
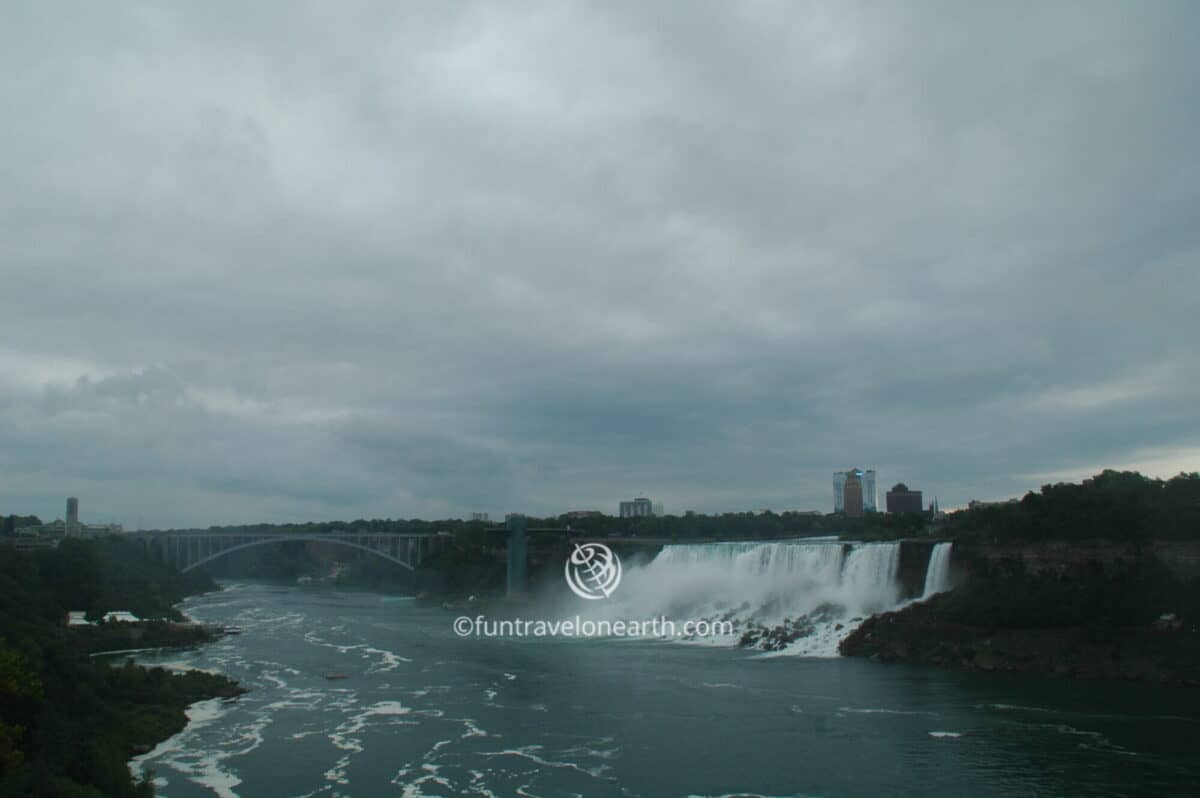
69,723
1113,505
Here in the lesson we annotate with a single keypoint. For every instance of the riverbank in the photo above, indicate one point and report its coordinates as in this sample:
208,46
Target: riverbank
118,638
1164,651
70,722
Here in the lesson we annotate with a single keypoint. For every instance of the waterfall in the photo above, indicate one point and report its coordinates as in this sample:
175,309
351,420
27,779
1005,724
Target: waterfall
870,575
824,585
937,574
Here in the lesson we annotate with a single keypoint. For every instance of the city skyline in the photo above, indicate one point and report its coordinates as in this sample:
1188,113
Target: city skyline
637,507
456,260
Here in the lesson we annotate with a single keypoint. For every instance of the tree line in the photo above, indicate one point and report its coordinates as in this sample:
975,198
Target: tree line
1119,506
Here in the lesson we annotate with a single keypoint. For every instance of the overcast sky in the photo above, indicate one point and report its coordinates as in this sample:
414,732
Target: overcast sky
277,262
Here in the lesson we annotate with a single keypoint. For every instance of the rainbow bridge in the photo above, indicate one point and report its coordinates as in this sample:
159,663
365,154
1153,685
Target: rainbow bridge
189,549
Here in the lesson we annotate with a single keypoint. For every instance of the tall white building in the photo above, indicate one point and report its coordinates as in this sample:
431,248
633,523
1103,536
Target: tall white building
638,508
870,503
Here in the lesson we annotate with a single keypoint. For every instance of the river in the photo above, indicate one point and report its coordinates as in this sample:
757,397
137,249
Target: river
424,712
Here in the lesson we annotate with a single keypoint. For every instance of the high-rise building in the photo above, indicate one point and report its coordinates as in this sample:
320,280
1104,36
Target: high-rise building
852,495
867,479
638,508
72,512
902,500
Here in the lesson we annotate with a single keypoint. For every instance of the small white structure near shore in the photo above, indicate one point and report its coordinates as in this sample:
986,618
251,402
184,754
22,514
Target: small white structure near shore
121,616
78,618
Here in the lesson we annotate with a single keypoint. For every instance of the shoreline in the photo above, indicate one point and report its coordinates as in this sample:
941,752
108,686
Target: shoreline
196,713
917,635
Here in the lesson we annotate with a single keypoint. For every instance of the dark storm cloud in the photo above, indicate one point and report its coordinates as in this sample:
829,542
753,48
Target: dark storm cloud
311,261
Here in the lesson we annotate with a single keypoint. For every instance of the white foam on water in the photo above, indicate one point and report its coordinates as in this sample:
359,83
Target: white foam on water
472,730
209,774
412,789
388,708
941,734
337,773
202,713
297,699
429,713
533,754
389,660
273,679
311,637
344,736
1014,708
478,786
858,711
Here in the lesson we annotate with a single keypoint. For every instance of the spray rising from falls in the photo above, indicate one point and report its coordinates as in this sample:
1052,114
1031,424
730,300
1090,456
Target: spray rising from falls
796,596
937,575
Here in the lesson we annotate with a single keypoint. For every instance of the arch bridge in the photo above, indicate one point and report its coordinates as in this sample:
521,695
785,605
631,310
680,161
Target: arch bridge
189,549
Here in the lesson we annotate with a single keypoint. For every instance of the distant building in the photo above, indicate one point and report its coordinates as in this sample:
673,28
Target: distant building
638,508
479,517
78,618
866,484
584,514
48,536
902,500
28,538
852,495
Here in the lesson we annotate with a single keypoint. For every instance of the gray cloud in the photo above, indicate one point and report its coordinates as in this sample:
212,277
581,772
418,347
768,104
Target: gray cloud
306,262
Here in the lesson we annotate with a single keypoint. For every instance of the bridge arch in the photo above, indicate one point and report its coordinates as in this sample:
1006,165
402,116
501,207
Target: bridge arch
264,541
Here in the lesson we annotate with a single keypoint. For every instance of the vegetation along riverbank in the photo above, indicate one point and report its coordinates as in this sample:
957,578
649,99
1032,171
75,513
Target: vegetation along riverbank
70,722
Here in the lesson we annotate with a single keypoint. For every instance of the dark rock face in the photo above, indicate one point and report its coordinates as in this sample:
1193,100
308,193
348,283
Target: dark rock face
914,562
775,638
1165,651
1076,559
